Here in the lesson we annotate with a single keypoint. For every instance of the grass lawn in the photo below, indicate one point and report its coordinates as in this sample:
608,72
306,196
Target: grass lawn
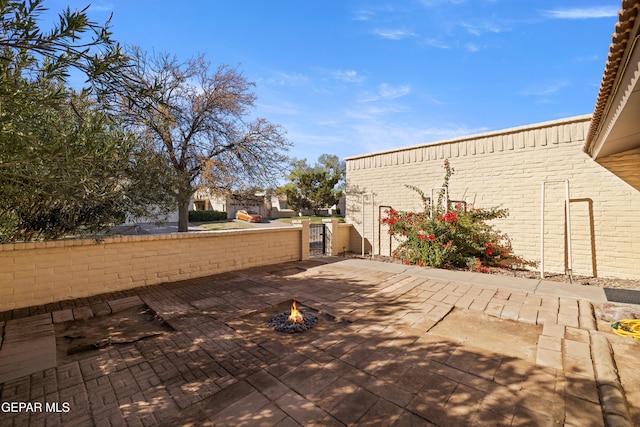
228,224
314,219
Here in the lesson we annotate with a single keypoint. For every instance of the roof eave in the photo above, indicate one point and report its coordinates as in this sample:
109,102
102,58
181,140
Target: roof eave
609,101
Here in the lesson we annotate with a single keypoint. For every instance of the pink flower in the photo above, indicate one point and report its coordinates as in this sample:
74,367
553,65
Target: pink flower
449,217
429,237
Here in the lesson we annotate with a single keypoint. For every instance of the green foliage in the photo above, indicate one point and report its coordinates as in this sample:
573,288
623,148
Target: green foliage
202,216
70,170
66,166
451,238
315,187
74,42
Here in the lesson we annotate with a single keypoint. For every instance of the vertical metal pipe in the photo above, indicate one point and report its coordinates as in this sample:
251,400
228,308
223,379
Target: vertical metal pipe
542,234
431,205
569,263
363,224
373,227
568,215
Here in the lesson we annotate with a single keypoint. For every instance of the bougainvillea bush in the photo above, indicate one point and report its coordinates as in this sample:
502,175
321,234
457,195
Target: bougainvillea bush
454,237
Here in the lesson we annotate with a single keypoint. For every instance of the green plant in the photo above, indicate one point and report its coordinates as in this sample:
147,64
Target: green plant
315,187
453,237
202,216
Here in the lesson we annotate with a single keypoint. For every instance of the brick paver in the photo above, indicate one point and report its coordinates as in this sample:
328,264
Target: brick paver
371,359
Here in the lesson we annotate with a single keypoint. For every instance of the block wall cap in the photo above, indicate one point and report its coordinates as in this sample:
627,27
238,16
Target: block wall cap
518,129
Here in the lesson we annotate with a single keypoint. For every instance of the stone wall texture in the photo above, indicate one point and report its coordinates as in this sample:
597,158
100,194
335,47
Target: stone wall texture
507,168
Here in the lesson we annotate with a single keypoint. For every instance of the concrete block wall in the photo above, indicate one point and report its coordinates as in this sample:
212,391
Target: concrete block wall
507,168
343,241
43,272
337,236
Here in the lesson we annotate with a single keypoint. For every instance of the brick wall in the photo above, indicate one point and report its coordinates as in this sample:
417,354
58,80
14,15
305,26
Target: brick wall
337,236
43,272
507,168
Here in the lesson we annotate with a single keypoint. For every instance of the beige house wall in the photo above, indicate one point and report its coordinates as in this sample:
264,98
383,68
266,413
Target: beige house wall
507,168
44,272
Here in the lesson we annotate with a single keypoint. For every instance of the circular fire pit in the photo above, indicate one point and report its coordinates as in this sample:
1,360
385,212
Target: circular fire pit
292,321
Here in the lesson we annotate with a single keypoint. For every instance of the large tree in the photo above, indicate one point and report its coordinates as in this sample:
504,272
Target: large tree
315,186
66,166
199,118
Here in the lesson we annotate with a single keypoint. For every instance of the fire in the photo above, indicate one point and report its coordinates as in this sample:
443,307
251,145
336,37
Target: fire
295,316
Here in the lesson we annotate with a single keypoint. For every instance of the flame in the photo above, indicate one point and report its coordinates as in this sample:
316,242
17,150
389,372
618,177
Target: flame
295,316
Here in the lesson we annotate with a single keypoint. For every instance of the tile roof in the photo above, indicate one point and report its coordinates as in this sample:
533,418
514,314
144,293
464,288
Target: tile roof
619,42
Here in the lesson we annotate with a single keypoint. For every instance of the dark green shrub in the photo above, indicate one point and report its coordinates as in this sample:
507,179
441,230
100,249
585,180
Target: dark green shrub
203,216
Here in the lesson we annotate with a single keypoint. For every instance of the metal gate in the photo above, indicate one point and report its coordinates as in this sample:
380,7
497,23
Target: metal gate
317,240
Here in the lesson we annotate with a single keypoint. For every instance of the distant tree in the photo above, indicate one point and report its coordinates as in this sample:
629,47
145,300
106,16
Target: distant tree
315,187
66,166
198,119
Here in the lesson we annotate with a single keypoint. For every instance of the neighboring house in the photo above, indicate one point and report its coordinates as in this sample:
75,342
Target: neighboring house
598,155
206,199
254,202
266,204
278,206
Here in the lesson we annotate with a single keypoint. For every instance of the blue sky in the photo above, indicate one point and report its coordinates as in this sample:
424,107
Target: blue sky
352,77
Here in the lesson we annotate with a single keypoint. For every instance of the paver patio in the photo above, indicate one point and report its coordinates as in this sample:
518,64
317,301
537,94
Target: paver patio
379,355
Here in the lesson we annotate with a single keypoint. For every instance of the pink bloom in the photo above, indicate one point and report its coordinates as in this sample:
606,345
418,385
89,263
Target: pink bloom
449,217
429,237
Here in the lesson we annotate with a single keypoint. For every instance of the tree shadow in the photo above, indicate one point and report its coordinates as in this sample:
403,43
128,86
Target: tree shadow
370,361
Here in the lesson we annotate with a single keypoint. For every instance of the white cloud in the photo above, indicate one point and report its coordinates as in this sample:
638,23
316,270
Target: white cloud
379,136
363,15
350,76
288,79
472,47
286,109
437,43
369,130
432,100
390,92
543,90
101,7
583,13
393,34
371,112
314,139
479,29
589,58
386,92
